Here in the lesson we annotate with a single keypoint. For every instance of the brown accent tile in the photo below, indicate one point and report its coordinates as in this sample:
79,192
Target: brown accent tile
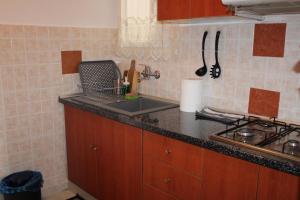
297,67
269,40
264,102
70,61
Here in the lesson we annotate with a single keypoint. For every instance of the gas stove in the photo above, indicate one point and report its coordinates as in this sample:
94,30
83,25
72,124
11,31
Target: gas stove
287,143
268,136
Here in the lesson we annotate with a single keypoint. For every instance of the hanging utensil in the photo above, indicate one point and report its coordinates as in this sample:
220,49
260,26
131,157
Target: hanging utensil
202,70
215,71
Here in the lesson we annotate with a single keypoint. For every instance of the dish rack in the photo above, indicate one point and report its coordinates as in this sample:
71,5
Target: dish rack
97,80
100,93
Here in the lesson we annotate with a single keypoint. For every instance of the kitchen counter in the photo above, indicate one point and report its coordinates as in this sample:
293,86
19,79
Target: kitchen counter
184,127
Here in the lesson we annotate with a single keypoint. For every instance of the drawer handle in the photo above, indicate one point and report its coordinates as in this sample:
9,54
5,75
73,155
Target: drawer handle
167,180
95,148
167,151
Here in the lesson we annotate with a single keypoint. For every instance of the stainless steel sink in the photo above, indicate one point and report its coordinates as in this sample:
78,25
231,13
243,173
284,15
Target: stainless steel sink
138,106
141,105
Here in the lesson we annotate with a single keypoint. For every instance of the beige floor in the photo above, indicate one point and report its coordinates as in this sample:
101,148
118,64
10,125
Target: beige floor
62,195
69,193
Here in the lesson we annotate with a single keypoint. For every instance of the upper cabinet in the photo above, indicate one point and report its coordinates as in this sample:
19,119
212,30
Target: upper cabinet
189,9
173,9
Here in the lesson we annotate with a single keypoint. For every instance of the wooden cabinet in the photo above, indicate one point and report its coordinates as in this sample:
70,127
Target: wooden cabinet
127,162
72,138
82,162
173,152
173,9
104,142
171,180
275,185
228,178
167,168
104,156
188,9
209,8
113,161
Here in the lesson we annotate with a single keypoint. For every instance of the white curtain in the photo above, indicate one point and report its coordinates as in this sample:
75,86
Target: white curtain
137,18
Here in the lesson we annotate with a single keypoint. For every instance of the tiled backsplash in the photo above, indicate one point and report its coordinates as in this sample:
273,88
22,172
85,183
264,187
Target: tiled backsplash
31,119
176,52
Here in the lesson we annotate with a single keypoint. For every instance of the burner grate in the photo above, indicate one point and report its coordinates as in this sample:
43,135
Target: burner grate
245,132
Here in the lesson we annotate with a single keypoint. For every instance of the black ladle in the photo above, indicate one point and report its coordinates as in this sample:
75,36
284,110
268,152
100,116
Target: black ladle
202,70
215,71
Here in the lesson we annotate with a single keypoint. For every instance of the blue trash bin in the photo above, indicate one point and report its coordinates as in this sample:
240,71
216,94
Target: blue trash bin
22,185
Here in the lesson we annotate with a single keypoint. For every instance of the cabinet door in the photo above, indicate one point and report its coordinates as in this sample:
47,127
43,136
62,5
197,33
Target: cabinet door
199,8
104,142
208,8
173,9
119,160
91,153
71,123
216,8
127,162
76,145
80,154
277,185
228,178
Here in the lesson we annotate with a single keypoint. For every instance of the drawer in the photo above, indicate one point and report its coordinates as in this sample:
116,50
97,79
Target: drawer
178,154
150,193
171,180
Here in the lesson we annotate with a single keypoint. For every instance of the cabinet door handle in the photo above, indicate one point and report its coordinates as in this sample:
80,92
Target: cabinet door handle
168,151
95,148
91,146
167,180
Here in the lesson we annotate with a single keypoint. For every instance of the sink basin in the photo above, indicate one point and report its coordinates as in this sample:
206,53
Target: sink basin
141,106
138,106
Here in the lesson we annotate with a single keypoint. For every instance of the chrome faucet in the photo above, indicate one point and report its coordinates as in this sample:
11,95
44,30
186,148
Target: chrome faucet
147,73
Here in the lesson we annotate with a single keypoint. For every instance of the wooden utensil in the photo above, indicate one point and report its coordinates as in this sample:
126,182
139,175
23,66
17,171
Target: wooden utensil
134,84
131,71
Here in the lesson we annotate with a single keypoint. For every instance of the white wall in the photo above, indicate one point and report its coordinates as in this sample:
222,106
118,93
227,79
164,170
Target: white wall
77,13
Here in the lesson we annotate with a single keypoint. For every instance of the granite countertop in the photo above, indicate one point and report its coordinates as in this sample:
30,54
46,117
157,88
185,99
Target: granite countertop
184,127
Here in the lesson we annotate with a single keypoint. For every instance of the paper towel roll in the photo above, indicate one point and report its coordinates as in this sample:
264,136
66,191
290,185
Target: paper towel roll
191,92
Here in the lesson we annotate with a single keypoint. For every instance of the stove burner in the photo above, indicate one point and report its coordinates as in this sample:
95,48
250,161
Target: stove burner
265,124
245,132
293,143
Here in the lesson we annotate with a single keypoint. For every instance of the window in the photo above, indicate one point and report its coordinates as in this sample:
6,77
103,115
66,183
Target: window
137,18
